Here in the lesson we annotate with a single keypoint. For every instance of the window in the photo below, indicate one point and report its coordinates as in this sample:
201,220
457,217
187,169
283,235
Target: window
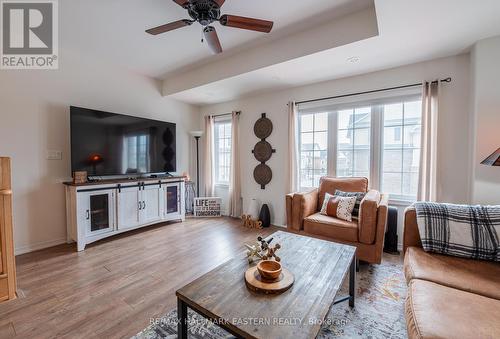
401,151
378,139
353,143
313,148
222,151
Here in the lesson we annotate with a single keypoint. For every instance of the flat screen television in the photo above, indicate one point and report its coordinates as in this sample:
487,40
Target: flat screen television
109,144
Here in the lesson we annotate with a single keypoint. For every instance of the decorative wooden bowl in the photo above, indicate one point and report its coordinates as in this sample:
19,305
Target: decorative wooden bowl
257,283
269,269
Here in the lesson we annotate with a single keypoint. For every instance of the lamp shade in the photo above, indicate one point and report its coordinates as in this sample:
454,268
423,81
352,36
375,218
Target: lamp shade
196,134
492,160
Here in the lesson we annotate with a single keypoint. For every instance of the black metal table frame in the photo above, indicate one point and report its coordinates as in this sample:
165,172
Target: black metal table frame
182,306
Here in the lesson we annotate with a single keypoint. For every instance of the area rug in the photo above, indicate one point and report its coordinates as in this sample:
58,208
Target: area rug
379,311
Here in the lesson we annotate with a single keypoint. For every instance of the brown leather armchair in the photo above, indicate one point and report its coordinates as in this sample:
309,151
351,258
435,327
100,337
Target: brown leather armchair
367,233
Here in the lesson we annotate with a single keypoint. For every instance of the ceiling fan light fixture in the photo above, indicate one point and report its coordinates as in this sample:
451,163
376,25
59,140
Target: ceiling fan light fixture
212,39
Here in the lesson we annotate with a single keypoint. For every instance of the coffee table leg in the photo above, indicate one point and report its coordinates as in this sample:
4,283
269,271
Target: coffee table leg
182,326
352,282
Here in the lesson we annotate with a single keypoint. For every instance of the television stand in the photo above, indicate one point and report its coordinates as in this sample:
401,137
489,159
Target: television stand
97,210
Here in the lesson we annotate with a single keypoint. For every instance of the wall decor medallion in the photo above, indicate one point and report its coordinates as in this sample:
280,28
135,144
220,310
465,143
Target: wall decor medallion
263,127
263,175
263,151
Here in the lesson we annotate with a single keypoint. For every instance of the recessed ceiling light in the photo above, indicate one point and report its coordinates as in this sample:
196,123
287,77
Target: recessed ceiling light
353,60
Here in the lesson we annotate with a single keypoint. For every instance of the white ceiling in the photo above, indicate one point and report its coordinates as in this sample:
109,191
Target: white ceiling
114,29
409,32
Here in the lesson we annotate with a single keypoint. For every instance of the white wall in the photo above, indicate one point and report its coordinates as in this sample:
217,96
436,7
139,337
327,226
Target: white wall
454,159
486,119
34,118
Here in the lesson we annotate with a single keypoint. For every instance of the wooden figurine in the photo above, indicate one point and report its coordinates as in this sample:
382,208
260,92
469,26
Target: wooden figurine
263,243
254,252
247,219
250,223
271,253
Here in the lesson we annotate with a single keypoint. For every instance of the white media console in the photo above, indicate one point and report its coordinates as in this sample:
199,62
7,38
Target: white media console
99,210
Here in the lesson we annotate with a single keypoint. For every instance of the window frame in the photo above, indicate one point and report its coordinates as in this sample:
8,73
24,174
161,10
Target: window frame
221,121
376,136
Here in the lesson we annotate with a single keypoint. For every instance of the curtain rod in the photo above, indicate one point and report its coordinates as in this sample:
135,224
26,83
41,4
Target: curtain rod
368,92
223,115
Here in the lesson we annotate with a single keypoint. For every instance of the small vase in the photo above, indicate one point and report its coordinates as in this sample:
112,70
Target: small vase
253,209
265,216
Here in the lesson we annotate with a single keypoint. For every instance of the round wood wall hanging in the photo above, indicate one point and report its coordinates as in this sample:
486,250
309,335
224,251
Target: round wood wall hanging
263,151
263,127
263,175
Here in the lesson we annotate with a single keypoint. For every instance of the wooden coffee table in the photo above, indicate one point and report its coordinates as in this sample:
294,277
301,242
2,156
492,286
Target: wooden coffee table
320,268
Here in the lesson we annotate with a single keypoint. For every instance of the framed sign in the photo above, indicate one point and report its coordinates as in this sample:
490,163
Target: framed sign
207,207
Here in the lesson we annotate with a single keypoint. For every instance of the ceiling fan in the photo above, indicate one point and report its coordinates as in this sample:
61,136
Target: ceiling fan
206,12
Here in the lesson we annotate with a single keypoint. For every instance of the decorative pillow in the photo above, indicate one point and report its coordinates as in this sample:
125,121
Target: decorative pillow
338,207
359,197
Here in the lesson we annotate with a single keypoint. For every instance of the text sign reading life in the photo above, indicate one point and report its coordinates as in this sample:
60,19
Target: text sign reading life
207,207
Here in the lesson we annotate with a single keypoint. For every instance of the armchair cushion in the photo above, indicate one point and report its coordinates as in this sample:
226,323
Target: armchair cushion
368,217
359,197
338,207
330,185
325,226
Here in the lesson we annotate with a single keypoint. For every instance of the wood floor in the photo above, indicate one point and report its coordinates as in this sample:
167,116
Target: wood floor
114,287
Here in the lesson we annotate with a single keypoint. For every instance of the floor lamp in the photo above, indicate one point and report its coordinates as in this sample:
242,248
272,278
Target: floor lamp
197,135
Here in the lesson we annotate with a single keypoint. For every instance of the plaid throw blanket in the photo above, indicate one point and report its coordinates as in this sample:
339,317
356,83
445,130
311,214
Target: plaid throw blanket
460,230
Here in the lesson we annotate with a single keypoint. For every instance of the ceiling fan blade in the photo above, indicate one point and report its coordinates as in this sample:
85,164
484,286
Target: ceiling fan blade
182,3
169,27
220,2
212,39
246,23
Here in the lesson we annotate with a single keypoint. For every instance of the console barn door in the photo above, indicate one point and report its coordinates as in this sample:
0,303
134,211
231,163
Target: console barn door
152,210
129,207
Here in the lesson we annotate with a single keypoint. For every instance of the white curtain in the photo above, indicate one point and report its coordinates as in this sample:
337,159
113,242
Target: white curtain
427,183
235,180
208,163
291,172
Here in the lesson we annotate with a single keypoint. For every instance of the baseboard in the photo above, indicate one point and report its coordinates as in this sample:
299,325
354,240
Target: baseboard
38,246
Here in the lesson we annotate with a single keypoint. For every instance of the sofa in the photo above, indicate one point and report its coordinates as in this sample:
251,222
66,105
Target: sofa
366,233
448,297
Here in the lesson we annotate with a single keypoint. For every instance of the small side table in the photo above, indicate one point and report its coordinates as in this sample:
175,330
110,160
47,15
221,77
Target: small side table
190,195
